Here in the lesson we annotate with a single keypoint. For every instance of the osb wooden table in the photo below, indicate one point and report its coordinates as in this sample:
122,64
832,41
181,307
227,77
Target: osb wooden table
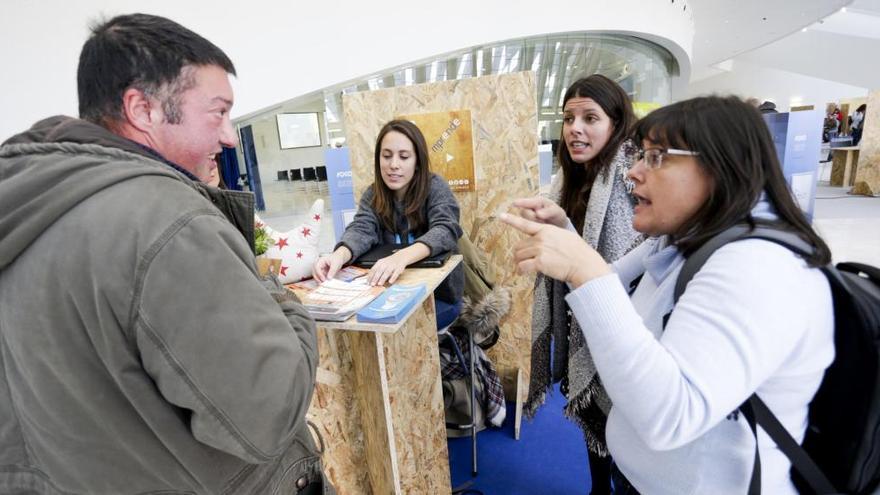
844,165
378,402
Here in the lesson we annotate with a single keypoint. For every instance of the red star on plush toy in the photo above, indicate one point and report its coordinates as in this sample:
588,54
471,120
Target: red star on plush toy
297,248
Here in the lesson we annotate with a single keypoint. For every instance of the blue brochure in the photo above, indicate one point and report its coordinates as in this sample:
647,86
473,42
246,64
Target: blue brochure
392,305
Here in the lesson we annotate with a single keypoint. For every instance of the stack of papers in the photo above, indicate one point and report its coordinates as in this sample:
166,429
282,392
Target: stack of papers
346,274
337,300
393,305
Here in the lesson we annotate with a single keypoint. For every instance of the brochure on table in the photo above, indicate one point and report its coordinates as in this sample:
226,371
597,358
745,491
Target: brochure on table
338,300
345,274
392,305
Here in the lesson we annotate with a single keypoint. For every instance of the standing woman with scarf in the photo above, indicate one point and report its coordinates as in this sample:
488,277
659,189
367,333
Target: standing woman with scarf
757,318
591,195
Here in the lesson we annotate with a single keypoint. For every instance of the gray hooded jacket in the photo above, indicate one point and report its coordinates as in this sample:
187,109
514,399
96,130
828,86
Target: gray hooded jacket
139,350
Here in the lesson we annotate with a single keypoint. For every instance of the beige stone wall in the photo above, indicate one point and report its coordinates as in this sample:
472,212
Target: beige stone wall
504,113
867,179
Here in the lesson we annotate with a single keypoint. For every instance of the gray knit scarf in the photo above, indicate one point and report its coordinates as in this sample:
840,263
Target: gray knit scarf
608,229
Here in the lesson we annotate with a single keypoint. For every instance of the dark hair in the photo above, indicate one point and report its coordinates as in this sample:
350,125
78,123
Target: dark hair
417,190
736,150
576,178
862,108
142,51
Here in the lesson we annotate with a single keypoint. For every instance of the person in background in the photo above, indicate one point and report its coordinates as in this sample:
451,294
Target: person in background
831,123
768,107
757,318
214,178
592,196
139,350
406,204
858,123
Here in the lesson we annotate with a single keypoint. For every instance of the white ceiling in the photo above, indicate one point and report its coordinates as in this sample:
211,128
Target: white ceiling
303,46
853,21
841,48
725,29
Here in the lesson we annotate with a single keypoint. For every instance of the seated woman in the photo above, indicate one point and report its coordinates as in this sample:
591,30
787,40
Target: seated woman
756,318
405,204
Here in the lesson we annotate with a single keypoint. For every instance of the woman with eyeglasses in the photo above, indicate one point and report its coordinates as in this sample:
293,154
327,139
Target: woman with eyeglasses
756,318
591,195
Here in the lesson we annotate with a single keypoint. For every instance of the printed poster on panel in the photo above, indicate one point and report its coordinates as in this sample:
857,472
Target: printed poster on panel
450,146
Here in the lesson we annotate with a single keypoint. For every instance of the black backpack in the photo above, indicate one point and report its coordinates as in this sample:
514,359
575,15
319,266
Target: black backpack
841,450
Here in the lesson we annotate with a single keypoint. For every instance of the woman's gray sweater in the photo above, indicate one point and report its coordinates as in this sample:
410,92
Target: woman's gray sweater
441,233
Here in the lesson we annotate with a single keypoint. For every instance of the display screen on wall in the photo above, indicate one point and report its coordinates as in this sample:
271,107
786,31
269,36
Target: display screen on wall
298,130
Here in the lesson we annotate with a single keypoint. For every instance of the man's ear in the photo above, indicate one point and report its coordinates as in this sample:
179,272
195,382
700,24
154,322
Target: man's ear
139,111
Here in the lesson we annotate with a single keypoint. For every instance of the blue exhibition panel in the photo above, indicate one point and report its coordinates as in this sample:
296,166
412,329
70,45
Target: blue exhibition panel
339,183
798,139
545,164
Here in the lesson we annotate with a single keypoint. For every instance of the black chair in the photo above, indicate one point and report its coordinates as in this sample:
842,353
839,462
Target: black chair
282,175
321,172
296,174
308,173
470,366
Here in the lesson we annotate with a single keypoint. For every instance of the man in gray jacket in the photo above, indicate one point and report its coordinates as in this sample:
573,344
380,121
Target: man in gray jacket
140,352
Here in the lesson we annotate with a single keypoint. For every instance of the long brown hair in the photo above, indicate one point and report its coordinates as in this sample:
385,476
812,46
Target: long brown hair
578,178
416,192
735,148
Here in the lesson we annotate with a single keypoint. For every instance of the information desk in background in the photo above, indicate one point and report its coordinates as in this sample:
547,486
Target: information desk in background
378,402
845,163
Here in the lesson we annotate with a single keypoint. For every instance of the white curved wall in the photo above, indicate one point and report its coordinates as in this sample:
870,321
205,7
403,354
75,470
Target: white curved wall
286,49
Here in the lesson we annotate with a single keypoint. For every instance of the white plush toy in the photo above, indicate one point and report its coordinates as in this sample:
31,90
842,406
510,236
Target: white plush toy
297,248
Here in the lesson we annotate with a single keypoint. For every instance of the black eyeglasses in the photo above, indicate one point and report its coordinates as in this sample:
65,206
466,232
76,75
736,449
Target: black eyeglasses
654,157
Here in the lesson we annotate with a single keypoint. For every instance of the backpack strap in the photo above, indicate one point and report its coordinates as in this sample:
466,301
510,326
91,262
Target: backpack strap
754,409
749,413
852,267
796,454
739,232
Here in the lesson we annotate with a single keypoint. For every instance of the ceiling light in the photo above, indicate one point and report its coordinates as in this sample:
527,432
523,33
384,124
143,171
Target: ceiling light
804,30
843,9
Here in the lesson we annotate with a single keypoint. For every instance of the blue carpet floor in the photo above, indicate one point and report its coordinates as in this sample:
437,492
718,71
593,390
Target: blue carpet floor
550,457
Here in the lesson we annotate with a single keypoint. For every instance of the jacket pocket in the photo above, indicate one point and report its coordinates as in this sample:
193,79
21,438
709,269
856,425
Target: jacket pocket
305,475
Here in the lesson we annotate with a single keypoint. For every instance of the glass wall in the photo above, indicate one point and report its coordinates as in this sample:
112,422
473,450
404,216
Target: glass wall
642,68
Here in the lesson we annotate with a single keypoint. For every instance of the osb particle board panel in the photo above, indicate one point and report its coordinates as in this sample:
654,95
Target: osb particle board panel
416,397
373,401
504,113
339,423
867,180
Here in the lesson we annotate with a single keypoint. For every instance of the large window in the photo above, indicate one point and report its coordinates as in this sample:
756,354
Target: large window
644,69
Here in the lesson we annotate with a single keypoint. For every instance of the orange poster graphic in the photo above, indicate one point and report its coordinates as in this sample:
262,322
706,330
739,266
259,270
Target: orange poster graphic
450,146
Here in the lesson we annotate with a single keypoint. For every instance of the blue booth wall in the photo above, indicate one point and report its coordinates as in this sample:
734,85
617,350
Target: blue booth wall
338,161
798,140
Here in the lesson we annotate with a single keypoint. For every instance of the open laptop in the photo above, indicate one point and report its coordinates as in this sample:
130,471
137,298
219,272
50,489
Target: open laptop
370,258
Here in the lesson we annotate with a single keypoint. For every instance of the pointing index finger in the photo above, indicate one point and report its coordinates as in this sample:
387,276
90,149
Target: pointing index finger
525,226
